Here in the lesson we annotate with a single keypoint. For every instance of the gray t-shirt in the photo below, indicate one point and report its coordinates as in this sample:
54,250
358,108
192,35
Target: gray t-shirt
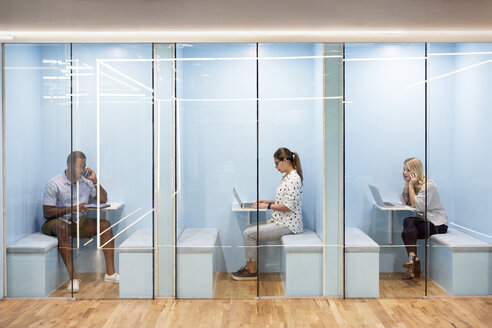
59,188
435,210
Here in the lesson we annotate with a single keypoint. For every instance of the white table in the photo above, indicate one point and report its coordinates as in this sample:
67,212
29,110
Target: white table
105,211
237,208
390,210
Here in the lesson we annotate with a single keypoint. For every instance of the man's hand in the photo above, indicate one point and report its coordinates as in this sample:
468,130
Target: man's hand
92,175
82,208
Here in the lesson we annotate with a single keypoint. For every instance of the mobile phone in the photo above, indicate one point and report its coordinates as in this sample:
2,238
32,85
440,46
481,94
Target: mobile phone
86,173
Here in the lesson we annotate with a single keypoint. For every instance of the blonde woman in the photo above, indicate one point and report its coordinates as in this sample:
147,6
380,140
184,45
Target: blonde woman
414,192
287,214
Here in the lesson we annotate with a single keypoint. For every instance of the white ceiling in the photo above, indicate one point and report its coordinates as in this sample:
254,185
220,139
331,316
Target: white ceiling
248,20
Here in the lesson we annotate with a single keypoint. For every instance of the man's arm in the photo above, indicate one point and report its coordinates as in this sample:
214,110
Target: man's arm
52,212
92,176
104,194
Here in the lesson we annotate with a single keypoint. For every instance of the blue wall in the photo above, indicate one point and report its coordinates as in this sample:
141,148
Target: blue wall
473,155
384,125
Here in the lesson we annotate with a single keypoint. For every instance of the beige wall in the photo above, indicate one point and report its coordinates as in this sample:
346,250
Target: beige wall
440,19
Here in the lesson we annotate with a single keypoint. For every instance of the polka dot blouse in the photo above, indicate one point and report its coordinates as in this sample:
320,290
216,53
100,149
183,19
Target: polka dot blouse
289,193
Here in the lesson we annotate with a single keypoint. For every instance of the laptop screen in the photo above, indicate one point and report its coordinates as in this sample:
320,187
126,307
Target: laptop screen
376,195
237,196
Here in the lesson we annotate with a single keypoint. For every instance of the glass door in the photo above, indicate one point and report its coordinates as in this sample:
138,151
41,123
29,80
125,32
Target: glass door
113,127
216,168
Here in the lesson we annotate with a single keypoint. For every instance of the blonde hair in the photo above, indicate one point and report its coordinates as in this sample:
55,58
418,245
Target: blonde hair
415,165
293,157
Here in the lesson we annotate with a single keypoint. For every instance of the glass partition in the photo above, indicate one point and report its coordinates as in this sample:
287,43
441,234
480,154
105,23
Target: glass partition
164,169
459,102
175,138
37,142
384,125
113,126
216,153
290,83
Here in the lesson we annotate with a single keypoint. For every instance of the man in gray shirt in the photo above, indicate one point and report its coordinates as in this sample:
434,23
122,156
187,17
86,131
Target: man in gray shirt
61,200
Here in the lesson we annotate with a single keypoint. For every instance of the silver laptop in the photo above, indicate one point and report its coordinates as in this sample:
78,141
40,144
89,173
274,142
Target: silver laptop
379,200
243,205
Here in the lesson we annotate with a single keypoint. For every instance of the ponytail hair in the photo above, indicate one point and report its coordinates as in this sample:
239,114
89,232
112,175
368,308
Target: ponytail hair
293,157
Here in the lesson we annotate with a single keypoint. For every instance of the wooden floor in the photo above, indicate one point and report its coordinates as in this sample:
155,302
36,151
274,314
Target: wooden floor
92,286
227,288
391,285
307,312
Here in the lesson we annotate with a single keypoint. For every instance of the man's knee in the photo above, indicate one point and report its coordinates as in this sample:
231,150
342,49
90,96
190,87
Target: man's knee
105,224
60,229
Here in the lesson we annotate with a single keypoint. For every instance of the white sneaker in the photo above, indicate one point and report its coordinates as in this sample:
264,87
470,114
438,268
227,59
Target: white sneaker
76,283
114,278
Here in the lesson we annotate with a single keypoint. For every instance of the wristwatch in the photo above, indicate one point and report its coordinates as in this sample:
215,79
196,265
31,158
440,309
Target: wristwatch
269,205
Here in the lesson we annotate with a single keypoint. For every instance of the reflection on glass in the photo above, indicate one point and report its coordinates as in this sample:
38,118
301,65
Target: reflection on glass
113,126
164,168
384,124
290,83
216,152
37,141
459,102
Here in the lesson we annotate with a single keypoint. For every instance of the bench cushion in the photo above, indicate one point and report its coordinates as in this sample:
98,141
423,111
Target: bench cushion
139,242
197,240
306,242
357,241
37,243
458,241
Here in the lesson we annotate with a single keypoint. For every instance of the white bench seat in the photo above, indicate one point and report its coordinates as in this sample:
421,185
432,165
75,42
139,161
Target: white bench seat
460,263
361,265
135,265
197,253
302,264
34,266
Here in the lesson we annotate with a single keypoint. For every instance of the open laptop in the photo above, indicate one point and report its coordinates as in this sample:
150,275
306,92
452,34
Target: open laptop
243,205
379,200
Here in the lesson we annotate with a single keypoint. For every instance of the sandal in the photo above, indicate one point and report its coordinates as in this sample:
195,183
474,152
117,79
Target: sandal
413,266
410,263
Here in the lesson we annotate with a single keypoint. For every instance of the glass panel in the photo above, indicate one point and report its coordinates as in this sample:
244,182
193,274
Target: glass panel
216,152
113,112
164,178
37,101
291,120
333,168
459,160
385,124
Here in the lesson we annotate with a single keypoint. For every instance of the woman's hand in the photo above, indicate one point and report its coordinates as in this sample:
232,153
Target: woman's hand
413,179
260,205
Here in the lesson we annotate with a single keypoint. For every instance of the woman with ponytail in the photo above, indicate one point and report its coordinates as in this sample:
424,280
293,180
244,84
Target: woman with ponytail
287,214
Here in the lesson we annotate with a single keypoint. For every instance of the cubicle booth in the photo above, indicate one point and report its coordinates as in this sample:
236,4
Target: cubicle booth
170,130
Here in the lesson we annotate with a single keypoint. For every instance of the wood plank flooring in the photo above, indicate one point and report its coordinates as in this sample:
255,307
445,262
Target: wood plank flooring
92,286
391,285
227,288
307,312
